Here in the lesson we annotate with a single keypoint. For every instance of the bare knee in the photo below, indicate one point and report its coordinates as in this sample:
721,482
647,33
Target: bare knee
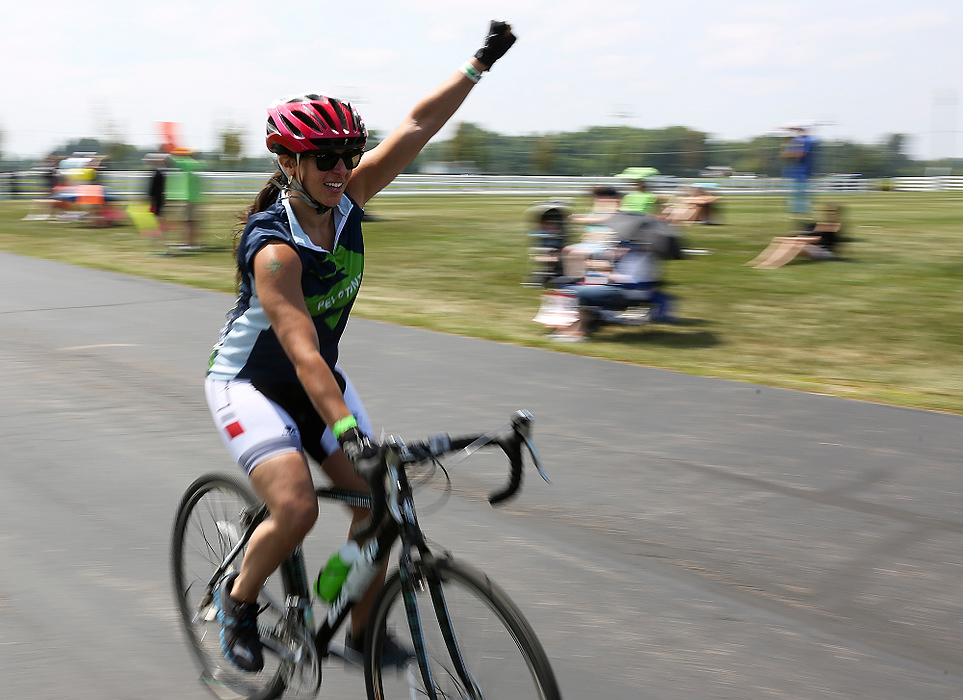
284,482
295,514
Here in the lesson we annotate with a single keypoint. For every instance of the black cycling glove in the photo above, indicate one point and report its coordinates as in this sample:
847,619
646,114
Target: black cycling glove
363,452
498,41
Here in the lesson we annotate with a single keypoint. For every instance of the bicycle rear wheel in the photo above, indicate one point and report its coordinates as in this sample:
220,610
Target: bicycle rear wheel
499,649
206,528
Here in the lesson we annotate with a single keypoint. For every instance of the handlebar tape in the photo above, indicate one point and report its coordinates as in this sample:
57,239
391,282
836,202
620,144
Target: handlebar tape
513,448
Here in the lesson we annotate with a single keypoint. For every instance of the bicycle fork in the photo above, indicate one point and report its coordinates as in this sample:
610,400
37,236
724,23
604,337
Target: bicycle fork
425,579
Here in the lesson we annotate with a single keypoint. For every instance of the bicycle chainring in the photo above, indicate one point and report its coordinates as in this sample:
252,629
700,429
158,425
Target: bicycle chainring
302,676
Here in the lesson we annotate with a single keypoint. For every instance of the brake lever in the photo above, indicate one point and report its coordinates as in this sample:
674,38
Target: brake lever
378,495
536,460
522,425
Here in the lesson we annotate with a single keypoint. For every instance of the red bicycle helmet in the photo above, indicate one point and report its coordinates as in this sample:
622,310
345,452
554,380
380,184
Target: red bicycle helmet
313,123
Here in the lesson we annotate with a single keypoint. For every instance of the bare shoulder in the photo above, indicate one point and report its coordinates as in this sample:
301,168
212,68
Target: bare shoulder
276,260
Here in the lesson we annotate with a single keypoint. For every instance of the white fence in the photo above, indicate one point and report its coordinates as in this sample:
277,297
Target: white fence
941,183
133,184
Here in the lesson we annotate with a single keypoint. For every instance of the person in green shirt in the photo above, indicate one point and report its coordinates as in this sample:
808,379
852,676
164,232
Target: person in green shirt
640,200
185,186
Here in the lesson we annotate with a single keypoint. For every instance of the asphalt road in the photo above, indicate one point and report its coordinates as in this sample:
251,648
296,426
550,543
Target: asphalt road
701,538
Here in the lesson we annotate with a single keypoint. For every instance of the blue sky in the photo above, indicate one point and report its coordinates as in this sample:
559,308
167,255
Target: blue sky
732,69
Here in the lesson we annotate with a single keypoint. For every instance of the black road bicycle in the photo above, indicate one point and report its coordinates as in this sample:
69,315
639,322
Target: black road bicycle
467,638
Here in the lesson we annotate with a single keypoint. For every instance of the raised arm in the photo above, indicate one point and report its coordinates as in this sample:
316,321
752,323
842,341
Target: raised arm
385,162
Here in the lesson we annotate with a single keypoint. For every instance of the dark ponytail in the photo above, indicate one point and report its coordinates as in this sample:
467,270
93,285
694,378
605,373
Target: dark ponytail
264,199
267,196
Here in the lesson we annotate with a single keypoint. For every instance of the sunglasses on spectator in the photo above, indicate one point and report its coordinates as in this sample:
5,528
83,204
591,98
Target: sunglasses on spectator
328,161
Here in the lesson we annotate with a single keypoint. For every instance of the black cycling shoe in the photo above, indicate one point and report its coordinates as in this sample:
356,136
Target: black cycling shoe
393,653
240,640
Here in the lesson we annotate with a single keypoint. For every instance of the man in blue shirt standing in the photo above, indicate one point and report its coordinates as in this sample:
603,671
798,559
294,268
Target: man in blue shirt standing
800,155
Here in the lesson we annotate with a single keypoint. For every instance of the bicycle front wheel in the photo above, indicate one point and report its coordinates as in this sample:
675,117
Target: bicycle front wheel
206,528
492,655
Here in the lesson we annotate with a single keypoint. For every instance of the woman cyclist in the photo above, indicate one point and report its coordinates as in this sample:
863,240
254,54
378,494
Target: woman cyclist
274,387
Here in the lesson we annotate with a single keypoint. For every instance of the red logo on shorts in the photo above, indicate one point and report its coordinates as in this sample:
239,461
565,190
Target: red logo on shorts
234,429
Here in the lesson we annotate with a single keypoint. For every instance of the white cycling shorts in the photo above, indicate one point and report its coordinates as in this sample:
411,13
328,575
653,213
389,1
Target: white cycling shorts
255,428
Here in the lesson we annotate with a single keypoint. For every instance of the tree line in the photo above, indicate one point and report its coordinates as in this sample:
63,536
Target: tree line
596,151
676,150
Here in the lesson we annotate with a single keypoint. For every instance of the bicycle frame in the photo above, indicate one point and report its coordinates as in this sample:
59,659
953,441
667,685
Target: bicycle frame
399,522
413,537
297,643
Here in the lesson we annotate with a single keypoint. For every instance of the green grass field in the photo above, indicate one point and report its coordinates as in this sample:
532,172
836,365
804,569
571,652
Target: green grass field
882,325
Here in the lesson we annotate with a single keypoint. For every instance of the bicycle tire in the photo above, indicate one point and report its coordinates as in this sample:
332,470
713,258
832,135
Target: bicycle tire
206,528
499,646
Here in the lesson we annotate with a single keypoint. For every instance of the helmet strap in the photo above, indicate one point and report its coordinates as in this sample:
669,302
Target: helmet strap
292,188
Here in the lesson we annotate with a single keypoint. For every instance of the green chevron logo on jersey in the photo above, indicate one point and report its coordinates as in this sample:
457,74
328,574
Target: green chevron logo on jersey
343,282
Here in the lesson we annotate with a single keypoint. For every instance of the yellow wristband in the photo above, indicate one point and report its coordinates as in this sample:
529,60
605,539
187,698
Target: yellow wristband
344,425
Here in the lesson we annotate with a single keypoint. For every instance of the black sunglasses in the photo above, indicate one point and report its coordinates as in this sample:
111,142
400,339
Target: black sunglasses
328,161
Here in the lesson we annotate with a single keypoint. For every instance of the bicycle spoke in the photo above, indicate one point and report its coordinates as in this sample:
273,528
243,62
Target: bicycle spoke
489,653
206,531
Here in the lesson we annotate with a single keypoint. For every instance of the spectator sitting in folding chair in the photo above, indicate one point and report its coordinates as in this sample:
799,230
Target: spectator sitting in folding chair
697,204
819,241
634,279
594,248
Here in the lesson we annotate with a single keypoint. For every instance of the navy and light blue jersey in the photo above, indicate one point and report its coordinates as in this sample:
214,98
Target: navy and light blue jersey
248,347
